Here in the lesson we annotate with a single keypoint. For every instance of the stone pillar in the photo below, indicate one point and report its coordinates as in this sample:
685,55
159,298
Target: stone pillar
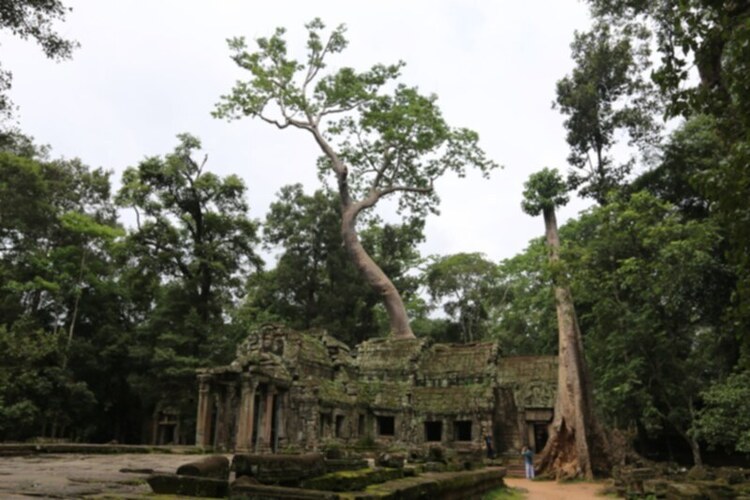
281,403
203,420
228,430
265,432
220,420
246,413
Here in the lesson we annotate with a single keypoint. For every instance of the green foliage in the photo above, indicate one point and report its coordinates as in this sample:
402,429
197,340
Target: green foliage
653,291
691,153
466,285
714,39
725,418
193,225
59,300
543,192
33,19
314,284
193,245
35,392
606,95
395,142
524,319
646,284
378,137
504,494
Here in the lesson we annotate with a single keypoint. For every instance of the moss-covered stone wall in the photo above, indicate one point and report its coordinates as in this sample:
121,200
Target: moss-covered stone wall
383,391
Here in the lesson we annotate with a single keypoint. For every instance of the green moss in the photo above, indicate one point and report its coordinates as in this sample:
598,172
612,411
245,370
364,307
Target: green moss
312,349
504,494
352,480
450,400
463,360
333,391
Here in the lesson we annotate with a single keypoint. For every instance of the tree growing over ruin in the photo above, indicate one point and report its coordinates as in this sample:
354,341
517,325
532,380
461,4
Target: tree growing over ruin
575,446
378,137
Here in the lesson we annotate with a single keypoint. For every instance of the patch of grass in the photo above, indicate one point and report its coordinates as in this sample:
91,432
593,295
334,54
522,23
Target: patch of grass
504,494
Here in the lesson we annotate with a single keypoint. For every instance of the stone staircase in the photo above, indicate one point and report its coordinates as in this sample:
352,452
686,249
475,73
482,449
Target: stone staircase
513,464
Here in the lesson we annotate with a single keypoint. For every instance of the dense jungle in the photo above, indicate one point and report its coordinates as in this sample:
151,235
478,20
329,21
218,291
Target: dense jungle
113,291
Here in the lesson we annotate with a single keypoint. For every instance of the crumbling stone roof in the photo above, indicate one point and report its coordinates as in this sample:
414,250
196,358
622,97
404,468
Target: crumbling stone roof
389,357
453,400
393,374
460,362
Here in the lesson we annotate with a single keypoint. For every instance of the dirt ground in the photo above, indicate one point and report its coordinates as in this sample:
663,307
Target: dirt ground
81,476
552,490
101,476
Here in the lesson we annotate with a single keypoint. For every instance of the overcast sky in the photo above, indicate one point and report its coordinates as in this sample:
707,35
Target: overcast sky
148,70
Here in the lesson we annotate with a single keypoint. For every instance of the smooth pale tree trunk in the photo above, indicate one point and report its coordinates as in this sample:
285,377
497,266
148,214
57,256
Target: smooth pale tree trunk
375,277
574,436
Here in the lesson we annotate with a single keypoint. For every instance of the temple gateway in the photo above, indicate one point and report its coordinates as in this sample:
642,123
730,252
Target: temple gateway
292,391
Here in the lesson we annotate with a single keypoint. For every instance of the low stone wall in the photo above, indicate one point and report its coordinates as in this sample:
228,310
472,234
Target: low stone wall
17,449
437,486
352,480
191,486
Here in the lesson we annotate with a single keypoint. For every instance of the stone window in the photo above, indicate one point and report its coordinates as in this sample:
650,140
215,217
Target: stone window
462,430
339,426
433,431
386,426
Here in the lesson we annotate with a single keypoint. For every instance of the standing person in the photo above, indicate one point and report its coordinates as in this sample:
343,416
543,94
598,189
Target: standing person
528,461
490,450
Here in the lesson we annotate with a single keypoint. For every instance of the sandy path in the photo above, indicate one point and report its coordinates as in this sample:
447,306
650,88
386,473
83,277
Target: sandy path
552,490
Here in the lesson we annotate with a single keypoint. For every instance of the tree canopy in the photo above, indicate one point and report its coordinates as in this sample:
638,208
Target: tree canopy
378,137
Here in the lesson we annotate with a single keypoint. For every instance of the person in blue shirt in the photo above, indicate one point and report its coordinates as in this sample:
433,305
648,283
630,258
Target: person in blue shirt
490,449
528,461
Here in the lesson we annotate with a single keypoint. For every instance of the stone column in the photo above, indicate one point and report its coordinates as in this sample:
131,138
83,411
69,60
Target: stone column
220,419
265,434
281,403
246,414
203,420
228,431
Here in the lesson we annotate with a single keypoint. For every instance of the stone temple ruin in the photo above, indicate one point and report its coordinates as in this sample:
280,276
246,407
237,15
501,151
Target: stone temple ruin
291,391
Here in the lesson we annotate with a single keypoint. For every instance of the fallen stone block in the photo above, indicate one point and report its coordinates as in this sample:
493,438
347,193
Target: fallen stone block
278,469
172,484
215,466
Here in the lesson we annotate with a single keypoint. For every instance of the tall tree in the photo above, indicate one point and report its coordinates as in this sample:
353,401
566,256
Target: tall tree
192,245
575,446
605,95
314,283
466,284
711,39
193,223
58,299
652,289
374,143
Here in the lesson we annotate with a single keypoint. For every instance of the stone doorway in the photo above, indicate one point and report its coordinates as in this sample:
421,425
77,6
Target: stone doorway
541,435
